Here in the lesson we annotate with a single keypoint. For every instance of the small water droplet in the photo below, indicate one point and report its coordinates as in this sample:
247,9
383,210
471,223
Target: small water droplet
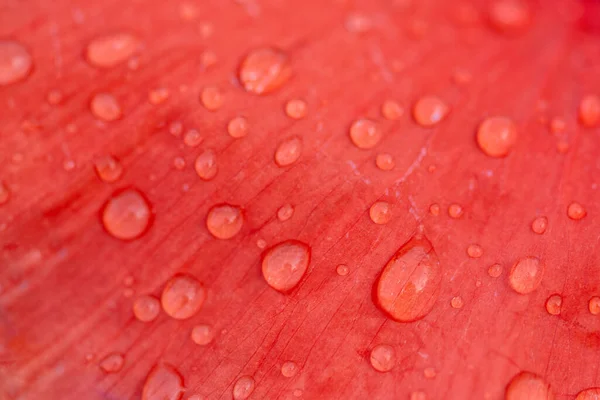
457,302
126,214
179,163
342,270
243,388
589,111
15,62
391,110
54,97
385,161
192,138
576,211
110,50
495,270
434,209
509,16
207,59
261,243
455,211
146,308
496,136
284,264
297,392
380,212
553,304
108,168
212,99
285,212
224,221
539,225
594,305
383,357
429,373
418,396
365,134
183,296
296,109
474,251
557,125
206,165
288,151
237,127
128,281
158,96
289,369
409,283
105,106
164,382
176,128
112,363
202,334
526,275
528,386
589,394
358,23
4,193
264,70
428,111
128,292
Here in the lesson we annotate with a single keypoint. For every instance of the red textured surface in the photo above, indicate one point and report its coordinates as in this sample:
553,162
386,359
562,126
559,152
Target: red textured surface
62,293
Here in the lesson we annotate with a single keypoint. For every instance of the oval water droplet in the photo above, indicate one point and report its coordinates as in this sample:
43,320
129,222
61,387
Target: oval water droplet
474,251
428,111
391,110
342,270
289,369
284,264
553,304
495,270
496,136
15,62
539,225
110,50
589,111
528,386
183,296
455,211
243,388
594,305
288,152
112,363
296,109
146,308
509,16
365,134
212,99
108,168
380,212
224,221
576,211
202,334
409,283
206,165
105,106
126,215
264,70
385,162
164,382
526,275
285,212
237,127
383,357
457,302
589,394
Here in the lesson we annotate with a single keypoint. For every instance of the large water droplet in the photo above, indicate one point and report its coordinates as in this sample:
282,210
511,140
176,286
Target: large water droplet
183,296
224,221
594,305
206,165
15,62
553,304
409,283
264,70
385,162
288,152
383,357
108,168
237,127
296,109
127,214
202,334
163,383
243,388
284,264
105,106
496,136
365,134
285,212
112,363
528,386
289,369
589,394
212,99
380,212
539,225
429,111
110,50
576,211
589,111
509,16
146,308
526,275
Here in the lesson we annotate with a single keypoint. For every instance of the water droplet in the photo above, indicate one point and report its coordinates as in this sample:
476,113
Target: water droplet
380,212
285,212
183,296
264,70
243,388
495,270
509,16
108,168
202,334
192,138
261,243
206,165
105,106
589,394
385,162
289,369
342,270
365,134
284,264
528,386
557,125
391,110
207,59
237,127
175,128
553,304
358,23
158,96
589,111
383,357
409,283
179,163
188,12
212,99
15,62
54,97
429,373
146,308
457,302
496,136
163,383
576,211
474,251
296,109
539,225
110,50
594,305
297,392
429,111
112,363
418,396
434,209
224,221
526,275
127,214
4,193
288,152
455,211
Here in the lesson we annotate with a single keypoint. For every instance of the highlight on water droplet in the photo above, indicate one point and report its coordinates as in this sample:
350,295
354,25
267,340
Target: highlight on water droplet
224,221
164,382
296,108
528,386
385,161
391,110
589,111
206,165
237,127
212,99
474,251
202,334
380,212
288,151
285,212
365,134
428,111
589,394
15,62
383,358
455,211
146,308
410,282
509,16
539,225
126,215
457,302
112,363
105,106
289,369
110,50
4,193
576,211
553,304
496,136
594,305
342,270
264,70
495,270
243,388
284,265
526,275
108,168
183,296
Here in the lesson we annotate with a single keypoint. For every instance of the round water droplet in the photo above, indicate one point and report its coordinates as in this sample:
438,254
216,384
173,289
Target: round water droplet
212,99
202,334
110,50
289,369
455,211
496,136
179,163
158,96
288,152
539,225
365,134
192,138
553,304
206,165
146,308
428,111
434,209
526,275
594,305
391,110
383,357
127,214
224,221
457,302
409,283
429,373
4,193
528,386
296,109
576,211
237,127
495,270
589,111
112,363
474,251
380,212
15,62
284,264
589,394
163,382
385,162
108,168
54,97
509,16
264,70
342,270
285,212
105,106
243,388
183,296
261,243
